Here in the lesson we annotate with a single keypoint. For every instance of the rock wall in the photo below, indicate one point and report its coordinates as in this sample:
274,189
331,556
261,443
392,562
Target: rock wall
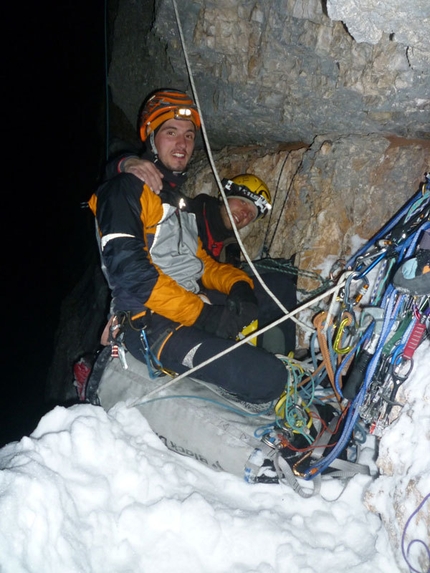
279,71
369,20
328,197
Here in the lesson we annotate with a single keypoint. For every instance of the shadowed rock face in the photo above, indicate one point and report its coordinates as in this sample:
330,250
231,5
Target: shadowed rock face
280,71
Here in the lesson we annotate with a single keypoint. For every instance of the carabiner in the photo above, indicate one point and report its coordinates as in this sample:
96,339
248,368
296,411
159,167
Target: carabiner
396,367
155,368
309,471
337,340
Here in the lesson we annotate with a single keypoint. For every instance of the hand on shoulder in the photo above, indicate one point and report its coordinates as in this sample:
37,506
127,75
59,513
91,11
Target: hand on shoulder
146,171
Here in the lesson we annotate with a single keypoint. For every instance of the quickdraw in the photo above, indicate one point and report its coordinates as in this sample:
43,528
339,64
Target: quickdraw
155,368
118,349
115,338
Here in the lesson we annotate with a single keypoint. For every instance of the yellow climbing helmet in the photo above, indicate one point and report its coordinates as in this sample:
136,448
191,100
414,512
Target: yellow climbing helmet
166,104
250,187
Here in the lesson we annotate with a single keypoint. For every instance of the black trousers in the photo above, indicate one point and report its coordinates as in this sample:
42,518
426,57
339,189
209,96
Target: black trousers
252,373
282,338
249,372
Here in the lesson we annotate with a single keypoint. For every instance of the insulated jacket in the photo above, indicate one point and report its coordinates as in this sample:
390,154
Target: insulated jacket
151,254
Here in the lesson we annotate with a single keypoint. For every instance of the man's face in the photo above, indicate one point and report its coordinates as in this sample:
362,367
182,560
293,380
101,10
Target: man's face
175,143
242,210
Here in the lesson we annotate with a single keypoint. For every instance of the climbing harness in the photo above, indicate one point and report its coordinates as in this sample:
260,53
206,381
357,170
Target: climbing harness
88,373
118,350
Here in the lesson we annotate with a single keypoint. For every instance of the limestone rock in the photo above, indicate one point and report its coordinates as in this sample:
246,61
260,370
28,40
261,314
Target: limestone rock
406,23
280,71
328,198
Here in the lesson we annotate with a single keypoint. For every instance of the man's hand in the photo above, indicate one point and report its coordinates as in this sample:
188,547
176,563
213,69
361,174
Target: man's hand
146,171
224,321
243,302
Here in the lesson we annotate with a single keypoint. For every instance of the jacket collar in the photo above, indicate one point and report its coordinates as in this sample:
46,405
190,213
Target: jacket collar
175,179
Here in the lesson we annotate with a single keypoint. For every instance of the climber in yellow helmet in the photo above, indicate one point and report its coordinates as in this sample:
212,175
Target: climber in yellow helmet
249,200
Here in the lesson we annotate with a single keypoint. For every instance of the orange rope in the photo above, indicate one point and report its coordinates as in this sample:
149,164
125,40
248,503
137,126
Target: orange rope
318,321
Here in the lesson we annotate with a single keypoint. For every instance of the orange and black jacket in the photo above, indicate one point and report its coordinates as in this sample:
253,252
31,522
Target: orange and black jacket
151,254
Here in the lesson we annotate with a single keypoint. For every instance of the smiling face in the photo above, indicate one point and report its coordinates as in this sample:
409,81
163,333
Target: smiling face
242,210
175,141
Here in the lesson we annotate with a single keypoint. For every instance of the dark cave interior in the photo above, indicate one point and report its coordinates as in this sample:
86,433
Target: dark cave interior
55,78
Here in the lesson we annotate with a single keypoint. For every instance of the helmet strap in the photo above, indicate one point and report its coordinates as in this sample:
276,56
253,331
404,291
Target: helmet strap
152,144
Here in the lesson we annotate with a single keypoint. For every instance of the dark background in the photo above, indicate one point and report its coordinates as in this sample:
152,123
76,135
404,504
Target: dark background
54,139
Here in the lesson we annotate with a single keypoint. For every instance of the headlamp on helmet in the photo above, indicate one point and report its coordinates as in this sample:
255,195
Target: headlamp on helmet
164,105
252,188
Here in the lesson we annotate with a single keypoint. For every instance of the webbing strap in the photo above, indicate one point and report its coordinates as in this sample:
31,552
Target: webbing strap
96,375
286,476
348,469
325,438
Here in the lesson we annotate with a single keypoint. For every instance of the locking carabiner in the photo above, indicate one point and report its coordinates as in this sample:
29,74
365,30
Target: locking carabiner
347,321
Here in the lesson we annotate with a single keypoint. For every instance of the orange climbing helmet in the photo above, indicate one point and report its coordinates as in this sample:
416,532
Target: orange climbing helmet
166,104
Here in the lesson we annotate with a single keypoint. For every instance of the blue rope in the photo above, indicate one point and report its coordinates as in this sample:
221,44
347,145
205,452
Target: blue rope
416,203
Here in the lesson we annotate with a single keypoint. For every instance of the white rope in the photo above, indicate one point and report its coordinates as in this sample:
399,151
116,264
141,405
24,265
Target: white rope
243,341
221,189
288,314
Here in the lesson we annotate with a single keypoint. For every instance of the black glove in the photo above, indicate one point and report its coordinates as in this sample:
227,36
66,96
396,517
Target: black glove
219,320
243,303
241,308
